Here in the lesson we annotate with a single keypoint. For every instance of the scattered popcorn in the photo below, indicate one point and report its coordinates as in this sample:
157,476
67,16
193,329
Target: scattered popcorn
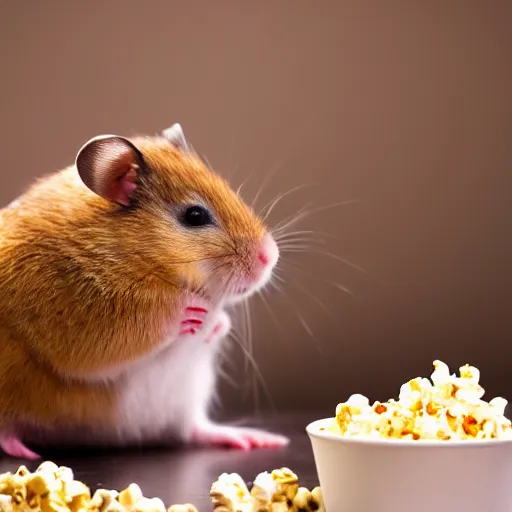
53,489
446,407
229,493
277,491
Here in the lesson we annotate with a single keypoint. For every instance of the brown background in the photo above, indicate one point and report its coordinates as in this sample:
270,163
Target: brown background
403,107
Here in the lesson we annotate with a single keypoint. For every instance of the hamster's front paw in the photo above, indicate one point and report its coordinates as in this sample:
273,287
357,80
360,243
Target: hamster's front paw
13,446
221,327
240,438
192,319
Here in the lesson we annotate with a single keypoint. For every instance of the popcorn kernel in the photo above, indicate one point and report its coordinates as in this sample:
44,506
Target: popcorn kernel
130,496
380,408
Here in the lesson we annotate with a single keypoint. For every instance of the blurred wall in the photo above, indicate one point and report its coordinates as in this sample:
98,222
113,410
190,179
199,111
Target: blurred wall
402,109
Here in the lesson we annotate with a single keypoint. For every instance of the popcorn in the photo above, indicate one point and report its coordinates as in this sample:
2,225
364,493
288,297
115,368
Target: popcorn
317,500
278,486
229,493
446,407
130,497
302,498
53,489
277,491
149,505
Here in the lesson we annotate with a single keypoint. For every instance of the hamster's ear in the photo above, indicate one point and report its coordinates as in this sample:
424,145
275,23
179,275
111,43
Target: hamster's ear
176,137
109,166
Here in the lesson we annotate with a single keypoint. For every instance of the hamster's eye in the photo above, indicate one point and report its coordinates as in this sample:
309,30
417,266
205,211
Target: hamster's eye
196,216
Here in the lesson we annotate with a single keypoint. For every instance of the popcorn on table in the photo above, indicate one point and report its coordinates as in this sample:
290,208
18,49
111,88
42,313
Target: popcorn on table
53,489
277,491
447,407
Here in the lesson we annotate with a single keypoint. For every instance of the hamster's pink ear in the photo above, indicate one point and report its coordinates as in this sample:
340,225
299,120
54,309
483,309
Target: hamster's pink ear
176,137
109,166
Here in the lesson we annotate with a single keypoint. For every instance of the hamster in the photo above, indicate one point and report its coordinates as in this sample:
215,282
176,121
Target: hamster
115,276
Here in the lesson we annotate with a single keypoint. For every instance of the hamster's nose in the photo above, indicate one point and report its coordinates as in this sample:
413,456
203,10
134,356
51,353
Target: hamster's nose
263,257
268,252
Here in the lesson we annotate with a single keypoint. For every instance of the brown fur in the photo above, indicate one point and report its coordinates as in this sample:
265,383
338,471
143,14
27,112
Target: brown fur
86,284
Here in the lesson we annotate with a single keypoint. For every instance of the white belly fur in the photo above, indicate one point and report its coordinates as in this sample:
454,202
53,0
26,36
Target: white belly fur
170,392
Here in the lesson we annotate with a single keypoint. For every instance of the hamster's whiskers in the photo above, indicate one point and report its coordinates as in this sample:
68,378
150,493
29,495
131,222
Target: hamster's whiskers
304,213
273,171
250,361
261,295
269,207
301,269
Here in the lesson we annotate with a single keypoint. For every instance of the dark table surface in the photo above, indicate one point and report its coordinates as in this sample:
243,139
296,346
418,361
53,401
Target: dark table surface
185,475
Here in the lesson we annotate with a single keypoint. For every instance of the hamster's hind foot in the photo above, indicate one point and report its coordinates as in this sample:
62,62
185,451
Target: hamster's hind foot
13,446
240,438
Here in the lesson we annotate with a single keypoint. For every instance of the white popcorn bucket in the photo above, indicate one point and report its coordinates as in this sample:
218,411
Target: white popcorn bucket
394,475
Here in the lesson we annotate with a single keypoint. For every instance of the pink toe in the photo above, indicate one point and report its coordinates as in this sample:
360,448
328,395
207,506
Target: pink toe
193,321
255,442
268,441
238,438
278,442
222,440
195,311
235,444
188,331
